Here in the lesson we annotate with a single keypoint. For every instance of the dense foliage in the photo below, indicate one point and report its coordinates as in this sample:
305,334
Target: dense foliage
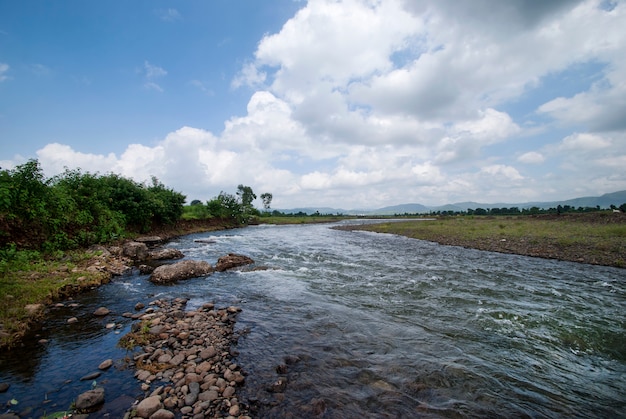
236,207
77,209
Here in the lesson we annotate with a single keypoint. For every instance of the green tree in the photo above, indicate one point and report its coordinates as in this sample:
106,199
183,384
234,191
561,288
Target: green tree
266,198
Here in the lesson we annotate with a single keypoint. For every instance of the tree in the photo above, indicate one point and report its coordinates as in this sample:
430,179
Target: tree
267,200
246,195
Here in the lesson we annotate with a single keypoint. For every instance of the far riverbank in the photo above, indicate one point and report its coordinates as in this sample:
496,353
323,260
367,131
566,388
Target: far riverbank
597,238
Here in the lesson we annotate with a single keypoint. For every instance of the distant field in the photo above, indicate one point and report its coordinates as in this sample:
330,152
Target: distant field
596,238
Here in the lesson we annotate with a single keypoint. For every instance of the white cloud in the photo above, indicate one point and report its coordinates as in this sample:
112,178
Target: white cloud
583,142
153,73
169,15
532,157
4,68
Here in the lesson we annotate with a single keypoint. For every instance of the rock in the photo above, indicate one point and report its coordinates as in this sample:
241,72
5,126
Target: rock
162,414
9,416
148,406
231,261
91,376
139,306
33,309
279,386
135,250
90,399
72,320
4,387
105,365
149,240
101,311
146,269
192,350
234,410
164,254
186,269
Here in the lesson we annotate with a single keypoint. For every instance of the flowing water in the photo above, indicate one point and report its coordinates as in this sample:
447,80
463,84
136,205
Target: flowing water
369,325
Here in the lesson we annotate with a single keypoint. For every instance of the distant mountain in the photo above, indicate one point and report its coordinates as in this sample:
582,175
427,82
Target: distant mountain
400,209
604,201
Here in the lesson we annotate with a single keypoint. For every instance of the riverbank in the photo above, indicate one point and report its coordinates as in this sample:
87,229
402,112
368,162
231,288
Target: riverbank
597,238
31,282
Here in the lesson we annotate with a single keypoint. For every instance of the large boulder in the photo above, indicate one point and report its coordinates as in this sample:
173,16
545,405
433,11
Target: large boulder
186,269
135,250
231,261
164,254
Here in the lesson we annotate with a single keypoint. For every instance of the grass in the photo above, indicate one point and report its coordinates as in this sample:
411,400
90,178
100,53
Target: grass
26,278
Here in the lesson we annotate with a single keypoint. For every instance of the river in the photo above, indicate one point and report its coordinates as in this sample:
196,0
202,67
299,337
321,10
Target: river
369,325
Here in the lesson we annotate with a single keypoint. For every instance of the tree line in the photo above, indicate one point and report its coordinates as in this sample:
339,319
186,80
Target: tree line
559,209
78,209
237,207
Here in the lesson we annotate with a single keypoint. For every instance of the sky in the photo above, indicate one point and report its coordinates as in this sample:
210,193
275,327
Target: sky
352,104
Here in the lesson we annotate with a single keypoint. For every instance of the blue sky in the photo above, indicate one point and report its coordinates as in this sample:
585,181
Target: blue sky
348,104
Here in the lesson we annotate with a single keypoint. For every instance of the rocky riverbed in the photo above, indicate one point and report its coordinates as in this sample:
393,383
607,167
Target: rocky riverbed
184,362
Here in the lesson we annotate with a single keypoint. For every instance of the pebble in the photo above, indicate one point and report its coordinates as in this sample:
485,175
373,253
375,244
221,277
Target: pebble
101,311
106,364
91,376
191,351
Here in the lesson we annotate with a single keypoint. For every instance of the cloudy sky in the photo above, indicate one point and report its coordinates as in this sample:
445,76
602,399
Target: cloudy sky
348,104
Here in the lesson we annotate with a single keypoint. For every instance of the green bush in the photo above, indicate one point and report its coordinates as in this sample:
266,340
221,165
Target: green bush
77,209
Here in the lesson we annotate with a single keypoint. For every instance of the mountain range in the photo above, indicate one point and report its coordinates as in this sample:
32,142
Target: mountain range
603,201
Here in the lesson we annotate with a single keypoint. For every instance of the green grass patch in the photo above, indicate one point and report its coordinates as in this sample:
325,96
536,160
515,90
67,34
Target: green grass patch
28,278
592,238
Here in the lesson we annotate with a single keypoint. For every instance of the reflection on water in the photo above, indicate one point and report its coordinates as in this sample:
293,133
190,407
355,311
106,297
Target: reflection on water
368,325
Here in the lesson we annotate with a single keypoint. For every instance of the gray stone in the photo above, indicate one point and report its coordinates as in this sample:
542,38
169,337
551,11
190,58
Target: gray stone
186,269
90,399
162,414
105,365
101,311
148,406
232,260
165,254
135,250
208,396
91,376
177,359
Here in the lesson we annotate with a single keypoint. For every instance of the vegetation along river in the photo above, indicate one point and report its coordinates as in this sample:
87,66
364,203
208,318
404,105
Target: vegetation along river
369,325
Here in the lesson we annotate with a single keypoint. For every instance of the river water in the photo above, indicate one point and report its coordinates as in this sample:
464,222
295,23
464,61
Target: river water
368,325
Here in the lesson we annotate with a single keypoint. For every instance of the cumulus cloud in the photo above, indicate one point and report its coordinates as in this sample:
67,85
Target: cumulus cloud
361,103
532,157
